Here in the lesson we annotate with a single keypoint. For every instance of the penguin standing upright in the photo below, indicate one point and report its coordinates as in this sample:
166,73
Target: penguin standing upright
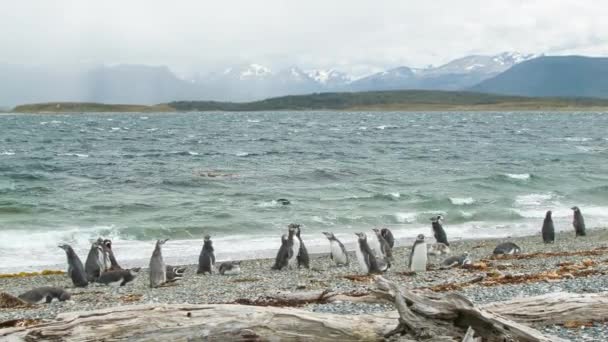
206,259
438,230
388,236
548,230
303,259
158,270
578,222
385,248
94,265
284,253
75,269
295,246
367,259
113,263
337,251
418,257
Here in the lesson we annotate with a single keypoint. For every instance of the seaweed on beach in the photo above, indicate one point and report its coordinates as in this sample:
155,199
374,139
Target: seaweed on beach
19,323
31,274
364,278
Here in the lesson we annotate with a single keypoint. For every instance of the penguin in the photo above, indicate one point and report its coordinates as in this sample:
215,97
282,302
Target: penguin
303,259
158,270
548,230
385,248
75,269
283,201
367,259
337,251
206,259
506,248
457,260
295,245
418,257
388,236
284,253
578,222
113,263
118,277
439,249
438,231
94,266
230,268
174,273
45,294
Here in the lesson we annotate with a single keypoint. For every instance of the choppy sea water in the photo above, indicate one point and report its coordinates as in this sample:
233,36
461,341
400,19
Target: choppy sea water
139,177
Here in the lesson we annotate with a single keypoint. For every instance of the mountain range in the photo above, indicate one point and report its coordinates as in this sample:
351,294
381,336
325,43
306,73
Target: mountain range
509,73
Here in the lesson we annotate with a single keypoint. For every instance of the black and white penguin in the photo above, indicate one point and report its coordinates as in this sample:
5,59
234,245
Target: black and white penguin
385,248
284,254
206,259
337,251
110,252
457,260
506,248
158,270
45,294
94,266
118,277
439,249
548,230
230,268
295,245
438,231
175,273
367,259
388,236
303,258
578,222
283,201
418,257
75,269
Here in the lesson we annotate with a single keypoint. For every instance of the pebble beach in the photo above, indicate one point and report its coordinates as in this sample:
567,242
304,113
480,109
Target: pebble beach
258,280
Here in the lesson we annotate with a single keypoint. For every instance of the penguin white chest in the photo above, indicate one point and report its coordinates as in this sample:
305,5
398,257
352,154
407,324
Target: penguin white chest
337,254
419,258
235,270
361,260
296,249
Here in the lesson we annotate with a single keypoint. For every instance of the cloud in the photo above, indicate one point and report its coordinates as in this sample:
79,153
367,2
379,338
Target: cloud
352,35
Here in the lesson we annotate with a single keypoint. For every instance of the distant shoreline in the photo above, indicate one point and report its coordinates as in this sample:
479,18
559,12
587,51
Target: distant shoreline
403,100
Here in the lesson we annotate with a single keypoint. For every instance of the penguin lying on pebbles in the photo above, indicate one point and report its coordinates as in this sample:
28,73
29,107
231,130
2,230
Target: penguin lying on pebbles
75,269
45,294
206,259
230,268
367,259
438,230
158,270
337,251
457,260
118,277
578,222
418,257
175,273
388,236
506,248
439,249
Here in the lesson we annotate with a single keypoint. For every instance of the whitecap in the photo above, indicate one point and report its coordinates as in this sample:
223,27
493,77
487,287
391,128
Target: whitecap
7,153
519,176
144,117
394,194
382,127
79,155
242,154
466,214
462,200
362,128
578,139
253,120
405,217
115,128
193,153
532,199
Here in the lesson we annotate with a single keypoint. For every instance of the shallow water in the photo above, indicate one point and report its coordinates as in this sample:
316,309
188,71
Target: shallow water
139,177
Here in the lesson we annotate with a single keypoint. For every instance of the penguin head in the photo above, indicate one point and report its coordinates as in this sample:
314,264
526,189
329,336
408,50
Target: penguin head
107,243
64,296
361,236
575,208
161,242
65,247
377,231
207,237
548,215
329,236
284,238
420,238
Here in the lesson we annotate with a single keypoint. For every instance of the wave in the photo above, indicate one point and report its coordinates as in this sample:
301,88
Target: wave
519,176
7,153
79,155
462,200
533,199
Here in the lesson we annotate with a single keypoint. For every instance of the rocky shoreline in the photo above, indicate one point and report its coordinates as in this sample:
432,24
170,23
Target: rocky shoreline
571,264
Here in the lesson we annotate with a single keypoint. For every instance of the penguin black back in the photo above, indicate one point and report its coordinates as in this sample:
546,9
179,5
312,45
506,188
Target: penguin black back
75,269
93,266
45,294
578,222
108,247
284,253
207,257
368,255
438,230
548,230
303,258
388,236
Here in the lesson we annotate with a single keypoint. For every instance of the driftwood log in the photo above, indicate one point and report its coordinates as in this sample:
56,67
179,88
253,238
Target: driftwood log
420,316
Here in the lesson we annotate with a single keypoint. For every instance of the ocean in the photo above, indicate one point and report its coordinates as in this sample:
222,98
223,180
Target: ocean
136,178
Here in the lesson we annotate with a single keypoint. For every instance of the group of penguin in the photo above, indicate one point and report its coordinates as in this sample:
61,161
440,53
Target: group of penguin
374,257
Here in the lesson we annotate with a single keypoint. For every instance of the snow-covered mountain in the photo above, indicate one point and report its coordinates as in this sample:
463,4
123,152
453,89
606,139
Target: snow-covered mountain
480,64
330,78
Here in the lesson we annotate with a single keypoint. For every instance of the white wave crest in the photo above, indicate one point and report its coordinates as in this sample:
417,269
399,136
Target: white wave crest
462,200
242,154
405,217
7,153
533,199
519,176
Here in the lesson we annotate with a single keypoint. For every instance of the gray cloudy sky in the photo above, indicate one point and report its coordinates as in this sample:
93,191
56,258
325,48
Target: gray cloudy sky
352,35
